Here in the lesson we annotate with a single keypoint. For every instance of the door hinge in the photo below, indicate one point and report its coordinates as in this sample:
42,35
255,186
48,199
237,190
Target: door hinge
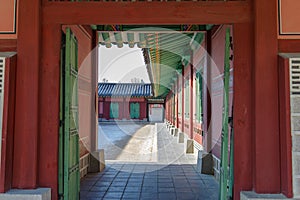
61,123
230,121
61,196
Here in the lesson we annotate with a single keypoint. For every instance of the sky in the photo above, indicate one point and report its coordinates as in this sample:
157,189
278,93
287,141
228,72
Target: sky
121,64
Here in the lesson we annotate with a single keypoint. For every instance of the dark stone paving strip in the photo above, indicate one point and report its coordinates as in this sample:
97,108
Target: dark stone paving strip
151,180
160,184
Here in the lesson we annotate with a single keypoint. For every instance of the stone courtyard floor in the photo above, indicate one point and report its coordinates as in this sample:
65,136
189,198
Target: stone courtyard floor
143,161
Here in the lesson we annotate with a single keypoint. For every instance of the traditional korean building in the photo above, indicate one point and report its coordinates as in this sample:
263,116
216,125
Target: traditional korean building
255,45
123,101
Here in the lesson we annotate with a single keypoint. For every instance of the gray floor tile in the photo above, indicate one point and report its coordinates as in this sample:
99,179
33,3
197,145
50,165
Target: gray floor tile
166,196
91,198
99,189
135,195
116,189
132,189
95,194
186,196
113,195
169,184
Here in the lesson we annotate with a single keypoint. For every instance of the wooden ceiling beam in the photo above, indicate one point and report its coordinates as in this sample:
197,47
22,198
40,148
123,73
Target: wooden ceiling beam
147,13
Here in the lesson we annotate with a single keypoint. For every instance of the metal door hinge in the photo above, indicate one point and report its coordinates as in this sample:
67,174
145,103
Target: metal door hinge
61,123
230,121
60,196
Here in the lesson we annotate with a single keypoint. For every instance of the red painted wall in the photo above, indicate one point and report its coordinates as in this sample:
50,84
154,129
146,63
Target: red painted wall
124,107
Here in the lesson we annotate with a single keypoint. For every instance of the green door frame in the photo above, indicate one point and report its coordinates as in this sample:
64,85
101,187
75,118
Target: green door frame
69,177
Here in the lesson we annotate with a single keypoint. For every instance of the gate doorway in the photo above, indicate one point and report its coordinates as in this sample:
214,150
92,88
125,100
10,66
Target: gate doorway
187,97
156,112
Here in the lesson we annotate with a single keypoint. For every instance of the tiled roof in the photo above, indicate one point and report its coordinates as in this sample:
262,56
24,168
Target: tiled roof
124,90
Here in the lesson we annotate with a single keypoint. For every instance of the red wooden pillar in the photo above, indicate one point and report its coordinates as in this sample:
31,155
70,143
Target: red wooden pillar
166,109
121,109
173,104
182,99
26,121
94,99
127,108
191,82
106,108
243,107
266,119
143,109
207,136
285,127
176,92
169,108
49,107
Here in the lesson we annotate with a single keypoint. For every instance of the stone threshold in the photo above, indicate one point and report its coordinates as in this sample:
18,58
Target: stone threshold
30,194
250,195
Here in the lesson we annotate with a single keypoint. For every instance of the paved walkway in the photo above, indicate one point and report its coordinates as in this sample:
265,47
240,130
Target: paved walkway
159,170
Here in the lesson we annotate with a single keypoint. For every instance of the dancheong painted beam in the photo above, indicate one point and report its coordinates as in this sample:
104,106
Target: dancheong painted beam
204,12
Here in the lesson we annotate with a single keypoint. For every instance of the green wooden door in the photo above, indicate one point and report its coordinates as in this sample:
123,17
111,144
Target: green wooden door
69,177
114,110
226,176
137,110
134,110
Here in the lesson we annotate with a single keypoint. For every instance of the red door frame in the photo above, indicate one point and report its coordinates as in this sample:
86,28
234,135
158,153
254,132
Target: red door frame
256,152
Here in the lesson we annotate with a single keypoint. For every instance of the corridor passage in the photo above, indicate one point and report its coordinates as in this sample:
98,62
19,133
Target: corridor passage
143,161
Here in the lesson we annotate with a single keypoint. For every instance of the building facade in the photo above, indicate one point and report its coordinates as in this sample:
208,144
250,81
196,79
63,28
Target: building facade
123,101
266,46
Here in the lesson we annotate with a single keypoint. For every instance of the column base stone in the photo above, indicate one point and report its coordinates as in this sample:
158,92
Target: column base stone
205,163
97,161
